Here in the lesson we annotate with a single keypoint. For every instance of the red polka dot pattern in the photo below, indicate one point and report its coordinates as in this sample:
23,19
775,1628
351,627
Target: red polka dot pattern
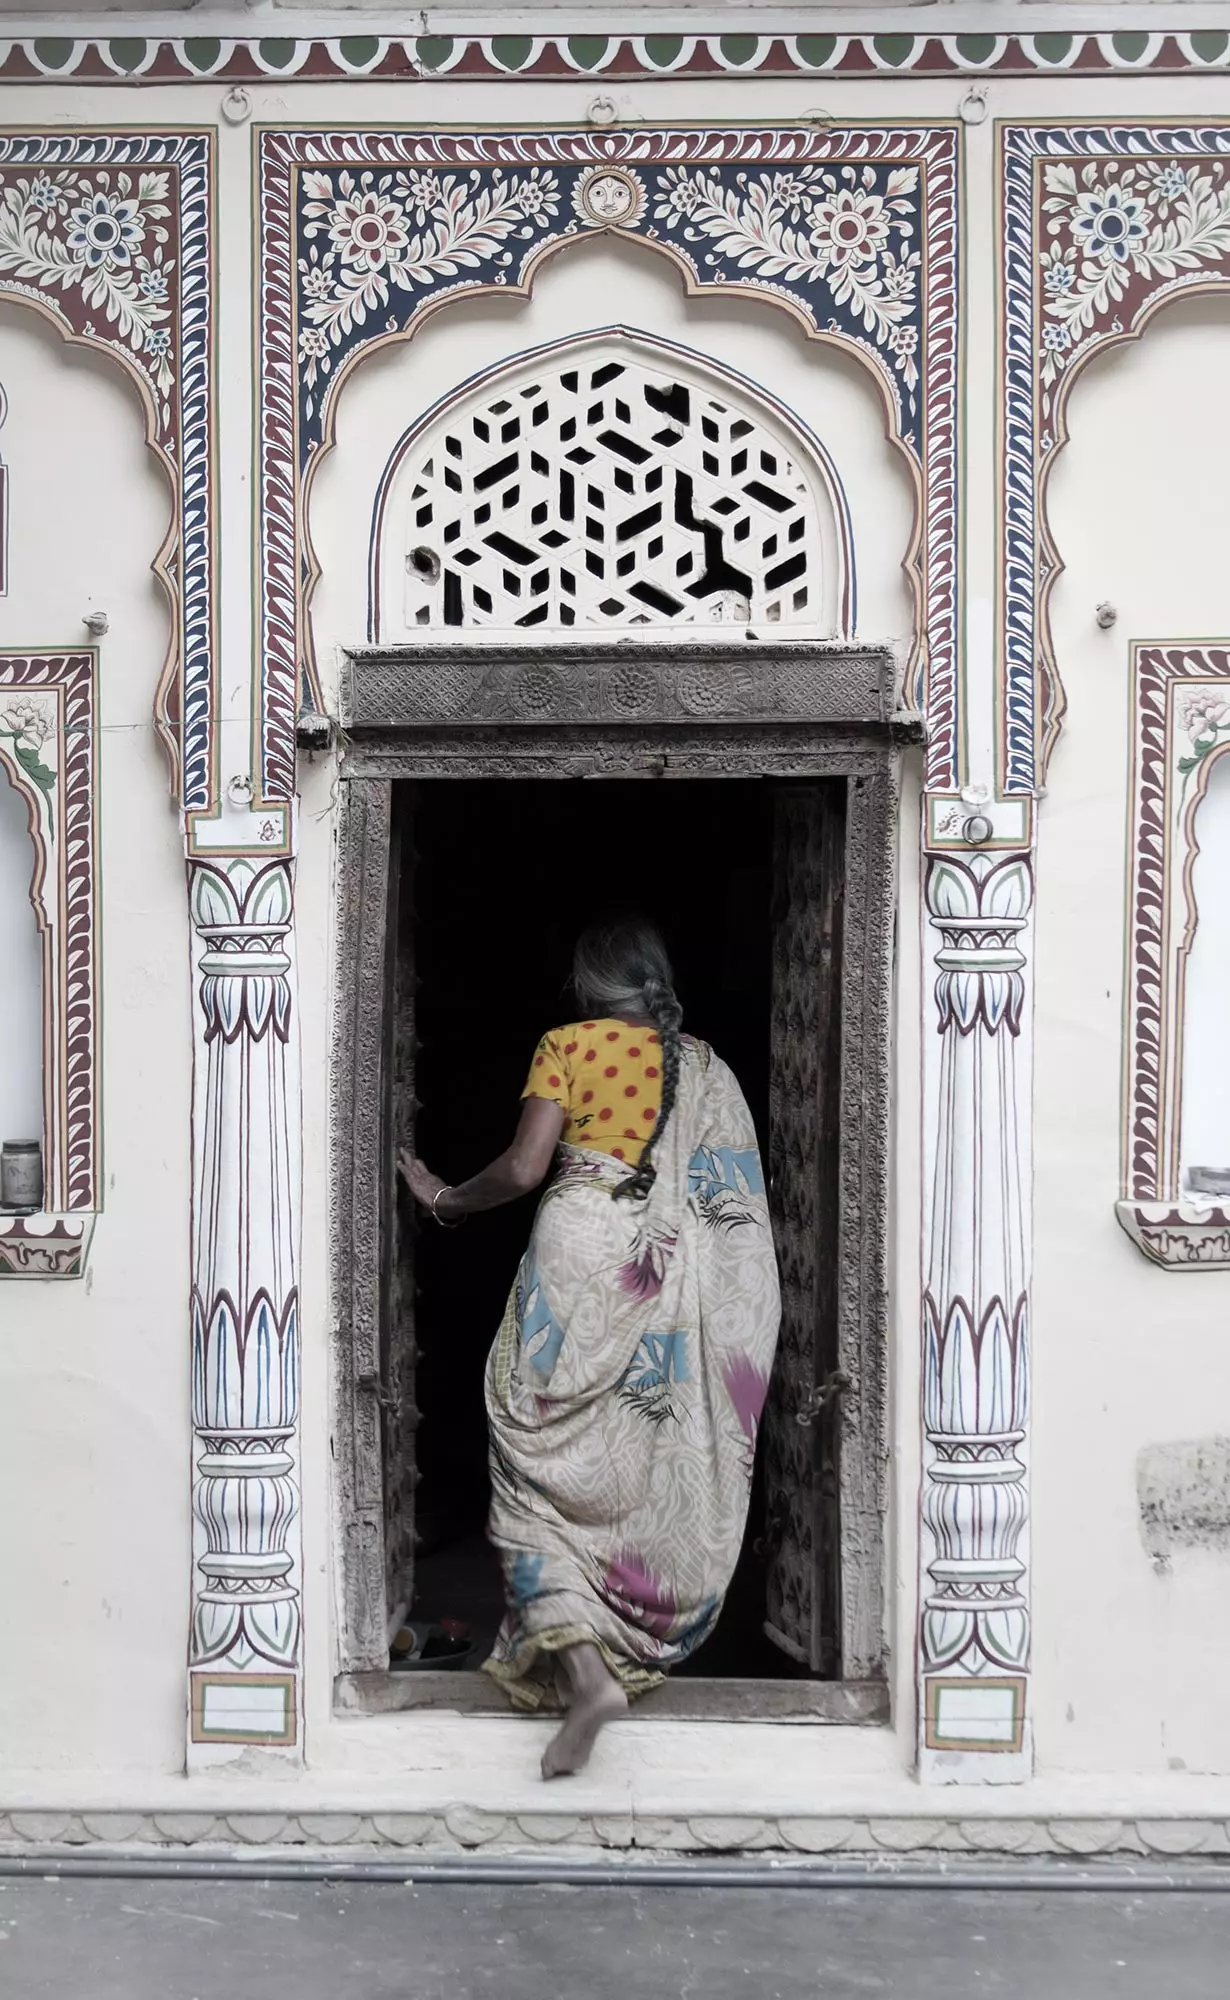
570,1057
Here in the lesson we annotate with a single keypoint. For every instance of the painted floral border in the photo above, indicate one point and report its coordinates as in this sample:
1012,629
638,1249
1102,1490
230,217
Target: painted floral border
1102,223
138,59
854,231
47,736
111,233
1181,720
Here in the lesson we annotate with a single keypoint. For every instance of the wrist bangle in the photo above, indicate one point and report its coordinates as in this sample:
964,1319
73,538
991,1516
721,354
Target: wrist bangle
436,1215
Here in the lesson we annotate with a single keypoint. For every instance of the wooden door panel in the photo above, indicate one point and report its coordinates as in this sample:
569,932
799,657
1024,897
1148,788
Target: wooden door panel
398,1352
802,1597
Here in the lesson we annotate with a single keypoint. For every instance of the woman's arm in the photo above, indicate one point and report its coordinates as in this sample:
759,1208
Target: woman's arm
522,1166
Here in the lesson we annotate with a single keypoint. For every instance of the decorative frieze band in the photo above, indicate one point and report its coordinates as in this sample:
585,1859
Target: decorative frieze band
608,56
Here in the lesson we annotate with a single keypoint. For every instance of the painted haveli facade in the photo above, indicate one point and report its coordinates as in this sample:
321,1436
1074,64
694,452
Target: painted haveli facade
960,272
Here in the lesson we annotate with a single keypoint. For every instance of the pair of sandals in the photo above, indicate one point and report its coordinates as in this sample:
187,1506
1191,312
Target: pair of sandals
444,1645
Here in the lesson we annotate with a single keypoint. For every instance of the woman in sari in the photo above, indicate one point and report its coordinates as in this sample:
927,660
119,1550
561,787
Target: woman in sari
629,1372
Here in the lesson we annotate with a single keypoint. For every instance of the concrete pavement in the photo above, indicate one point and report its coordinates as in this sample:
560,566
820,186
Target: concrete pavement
75,1939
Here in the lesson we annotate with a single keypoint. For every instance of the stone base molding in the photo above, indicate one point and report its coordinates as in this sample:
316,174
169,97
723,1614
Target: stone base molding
462,1829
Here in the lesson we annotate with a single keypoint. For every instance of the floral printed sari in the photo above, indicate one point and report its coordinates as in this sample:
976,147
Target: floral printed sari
623,1395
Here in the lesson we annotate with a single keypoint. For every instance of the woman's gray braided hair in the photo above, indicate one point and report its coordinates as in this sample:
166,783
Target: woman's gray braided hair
623,968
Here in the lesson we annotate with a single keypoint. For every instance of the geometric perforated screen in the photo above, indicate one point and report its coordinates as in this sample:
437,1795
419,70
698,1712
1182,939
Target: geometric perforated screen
605,492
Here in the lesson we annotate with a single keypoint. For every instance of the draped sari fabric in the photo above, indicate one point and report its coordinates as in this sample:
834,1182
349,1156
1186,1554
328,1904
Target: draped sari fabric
623,1395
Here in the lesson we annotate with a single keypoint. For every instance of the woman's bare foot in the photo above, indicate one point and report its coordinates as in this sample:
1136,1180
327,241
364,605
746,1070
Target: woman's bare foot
594,1697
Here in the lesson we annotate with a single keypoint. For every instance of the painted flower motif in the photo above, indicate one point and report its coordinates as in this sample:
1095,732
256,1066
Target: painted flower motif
158,343
105,232
42,193
792,193
314,283
537,196
851,226
368,231
1108,223
27,721
1058,276
424,191
1171,182
313,343
152,284
681,195
903,340
1056,338
1202,712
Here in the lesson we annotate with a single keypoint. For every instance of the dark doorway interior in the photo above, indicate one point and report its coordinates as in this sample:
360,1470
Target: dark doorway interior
496,878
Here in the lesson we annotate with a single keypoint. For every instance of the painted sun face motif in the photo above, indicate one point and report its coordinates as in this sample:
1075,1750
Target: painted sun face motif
610,197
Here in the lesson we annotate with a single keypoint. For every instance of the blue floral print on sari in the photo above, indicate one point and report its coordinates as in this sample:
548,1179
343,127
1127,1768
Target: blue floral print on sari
726,1183
542,1336
660,1361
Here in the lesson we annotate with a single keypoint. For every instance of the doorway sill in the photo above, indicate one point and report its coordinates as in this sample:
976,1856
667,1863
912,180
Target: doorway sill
856,1704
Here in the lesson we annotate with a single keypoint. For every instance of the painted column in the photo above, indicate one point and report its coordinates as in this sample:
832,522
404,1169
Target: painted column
975,1634
245,1643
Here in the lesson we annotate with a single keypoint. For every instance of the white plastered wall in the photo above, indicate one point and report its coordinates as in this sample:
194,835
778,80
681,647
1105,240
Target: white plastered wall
1126,1355
93,1372
96,1374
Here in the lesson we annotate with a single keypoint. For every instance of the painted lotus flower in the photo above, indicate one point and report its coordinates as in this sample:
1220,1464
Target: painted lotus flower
1202,712
28,721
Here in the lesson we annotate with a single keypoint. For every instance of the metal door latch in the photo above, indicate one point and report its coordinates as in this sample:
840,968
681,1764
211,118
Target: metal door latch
371,1385
822,1397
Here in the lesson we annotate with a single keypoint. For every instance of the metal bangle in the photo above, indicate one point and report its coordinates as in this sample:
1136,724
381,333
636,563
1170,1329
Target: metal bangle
435,1213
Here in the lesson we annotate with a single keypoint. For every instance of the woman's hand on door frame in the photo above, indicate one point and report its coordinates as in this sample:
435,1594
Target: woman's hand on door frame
425,1186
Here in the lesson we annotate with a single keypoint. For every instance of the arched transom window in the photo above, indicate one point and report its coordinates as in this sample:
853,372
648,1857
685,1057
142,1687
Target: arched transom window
605,488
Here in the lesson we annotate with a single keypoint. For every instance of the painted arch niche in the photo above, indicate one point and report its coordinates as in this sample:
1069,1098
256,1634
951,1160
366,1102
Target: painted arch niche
610,481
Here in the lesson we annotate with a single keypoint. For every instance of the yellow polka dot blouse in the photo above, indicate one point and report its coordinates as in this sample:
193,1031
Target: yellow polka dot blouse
608,1078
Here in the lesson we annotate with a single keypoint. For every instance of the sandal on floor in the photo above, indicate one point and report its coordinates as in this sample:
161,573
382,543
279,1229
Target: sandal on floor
444,1646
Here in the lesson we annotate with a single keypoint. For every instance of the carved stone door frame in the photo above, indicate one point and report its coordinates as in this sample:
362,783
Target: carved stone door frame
682,709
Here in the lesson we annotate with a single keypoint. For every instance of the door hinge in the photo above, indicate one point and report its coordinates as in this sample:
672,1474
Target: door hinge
822,1397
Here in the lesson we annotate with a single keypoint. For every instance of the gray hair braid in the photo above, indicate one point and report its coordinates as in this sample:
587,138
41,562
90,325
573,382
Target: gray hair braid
623,968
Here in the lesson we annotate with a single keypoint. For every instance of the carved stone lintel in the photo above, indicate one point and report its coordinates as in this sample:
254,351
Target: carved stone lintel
245,1637
622,683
